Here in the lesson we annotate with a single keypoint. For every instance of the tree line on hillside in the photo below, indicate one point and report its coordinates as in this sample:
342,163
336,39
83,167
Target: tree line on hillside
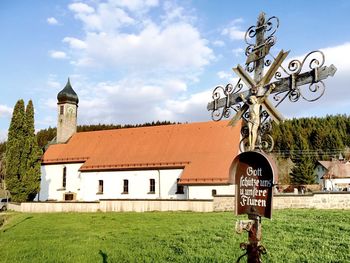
322,138
306,140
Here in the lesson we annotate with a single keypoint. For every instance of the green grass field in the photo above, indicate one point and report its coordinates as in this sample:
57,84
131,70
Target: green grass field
292,236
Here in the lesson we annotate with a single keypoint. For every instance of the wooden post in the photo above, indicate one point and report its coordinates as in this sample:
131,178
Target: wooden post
254,238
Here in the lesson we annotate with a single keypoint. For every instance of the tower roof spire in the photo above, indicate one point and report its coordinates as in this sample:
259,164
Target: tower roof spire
67,94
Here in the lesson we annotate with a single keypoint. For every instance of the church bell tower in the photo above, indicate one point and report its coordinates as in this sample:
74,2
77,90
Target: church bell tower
67,113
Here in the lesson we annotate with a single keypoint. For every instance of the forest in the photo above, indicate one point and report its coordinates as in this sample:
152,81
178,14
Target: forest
300,143
321,138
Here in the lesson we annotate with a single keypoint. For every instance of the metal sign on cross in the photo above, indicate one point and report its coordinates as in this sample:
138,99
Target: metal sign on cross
253,104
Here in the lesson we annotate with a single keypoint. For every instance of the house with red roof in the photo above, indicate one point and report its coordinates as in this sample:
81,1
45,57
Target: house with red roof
181,161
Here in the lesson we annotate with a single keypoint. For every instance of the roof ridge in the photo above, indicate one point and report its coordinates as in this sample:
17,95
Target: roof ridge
164,126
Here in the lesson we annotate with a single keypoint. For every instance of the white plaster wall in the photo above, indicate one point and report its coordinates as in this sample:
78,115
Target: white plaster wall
168,184
205,191
85,184
332,184
139,184
52,178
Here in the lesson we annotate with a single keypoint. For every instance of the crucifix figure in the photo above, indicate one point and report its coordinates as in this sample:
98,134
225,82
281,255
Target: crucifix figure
253,105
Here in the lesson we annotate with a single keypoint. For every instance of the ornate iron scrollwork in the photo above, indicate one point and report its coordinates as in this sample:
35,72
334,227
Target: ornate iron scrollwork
225,92
312,61
287,82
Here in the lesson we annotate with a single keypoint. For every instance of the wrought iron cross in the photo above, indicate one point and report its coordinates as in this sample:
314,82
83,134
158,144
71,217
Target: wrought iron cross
253,105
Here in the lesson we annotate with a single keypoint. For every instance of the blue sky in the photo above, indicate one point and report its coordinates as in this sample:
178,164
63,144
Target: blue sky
133,61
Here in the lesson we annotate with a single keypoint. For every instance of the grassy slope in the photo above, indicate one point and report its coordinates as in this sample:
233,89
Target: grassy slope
292,236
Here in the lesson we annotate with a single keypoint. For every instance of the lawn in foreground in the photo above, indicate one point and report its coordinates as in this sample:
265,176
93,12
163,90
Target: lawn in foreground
292,236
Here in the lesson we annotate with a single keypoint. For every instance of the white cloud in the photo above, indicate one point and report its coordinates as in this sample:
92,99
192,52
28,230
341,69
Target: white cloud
3,135
130,100
107,18
225,75
335,55
191,108
47,120
219,43
174,13
50,103
58,54
115,38
52,82
75,43
81,8
156,60
5,111
177,47
52,21
238,51
233,30
135,5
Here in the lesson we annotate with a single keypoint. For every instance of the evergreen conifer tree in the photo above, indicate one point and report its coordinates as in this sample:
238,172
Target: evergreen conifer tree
303,171
14,151
31,156
22,155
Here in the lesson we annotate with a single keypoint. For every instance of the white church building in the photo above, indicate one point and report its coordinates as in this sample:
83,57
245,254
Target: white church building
181,161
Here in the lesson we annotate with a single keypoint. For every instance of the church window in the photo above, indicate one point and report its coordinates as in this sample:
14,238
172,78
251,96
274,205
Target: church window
180,188
61,109
64,177
100,186
125,186
152,186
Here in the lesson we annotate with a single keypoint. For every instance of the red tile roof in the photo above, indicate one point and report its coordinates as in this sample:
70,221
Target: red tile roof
205,150
337,170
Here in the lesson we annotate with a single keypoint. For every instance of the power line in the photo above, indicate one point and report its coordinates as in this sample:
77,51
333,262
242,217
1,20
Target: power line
315,153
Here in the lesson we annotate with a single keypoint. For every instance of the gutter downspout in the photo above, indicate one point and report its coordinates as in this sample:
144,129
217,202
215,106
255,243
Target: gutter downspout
159,195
